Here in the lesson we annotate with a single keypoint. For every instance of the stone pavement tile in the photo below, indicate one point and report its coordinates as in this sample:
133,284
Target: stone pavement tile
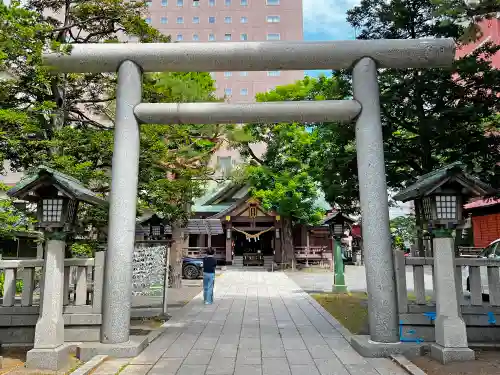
249,357
314,340
337,343
166,366
111,367
248,370
385,366
250,332
220,366
152,353
320,351
299,357
177,351
225,350
361,370
276,351
304,370
349,356
136,369
249,343
206,343
192,370
293,343
198,357
275,366
330,366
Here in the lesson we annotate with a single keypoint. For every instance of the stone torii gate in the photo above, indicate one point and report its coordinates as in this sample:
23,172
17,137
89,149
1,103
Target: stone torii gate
363,56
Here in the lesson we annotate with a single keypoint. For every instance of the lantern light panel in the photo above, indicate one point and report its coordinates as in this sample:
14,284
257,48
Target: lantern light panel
446,207
338,229
52,210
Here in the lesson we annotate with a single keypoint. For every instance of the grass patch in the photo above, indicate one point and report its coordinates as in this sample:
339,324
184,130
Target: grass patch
351,310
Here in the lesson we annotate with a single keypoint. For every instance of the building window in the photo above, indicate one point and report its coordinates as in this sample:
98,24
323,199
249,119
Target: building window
180,3
227,36
244,2
274,73
164,3
179,37
244,74
243,37
149,3
211,3
148,20
181,20
196,37
272,2
243,19
244,92
196,4
211,37
196,19
228,74
227,3
211,19
273,19
273,36
163,20
228,91
227,19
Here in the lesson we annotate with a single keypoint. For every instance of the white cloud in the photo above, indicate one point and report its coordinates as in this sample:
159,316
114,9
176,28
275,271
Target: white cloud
328,17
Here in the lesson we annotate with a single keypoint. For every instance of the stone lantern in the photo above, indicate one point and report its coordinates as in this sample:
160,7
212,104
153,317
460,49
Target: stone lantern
439,197
338,224
56,196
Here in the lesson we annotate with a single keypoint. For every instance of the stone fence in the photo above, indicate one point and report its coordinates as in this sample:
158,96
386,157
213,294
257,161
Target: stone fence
478,295
82,299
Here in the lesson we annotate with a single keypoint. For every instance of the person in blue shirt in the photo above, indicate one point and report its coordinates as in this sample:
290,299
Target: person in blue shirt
209,264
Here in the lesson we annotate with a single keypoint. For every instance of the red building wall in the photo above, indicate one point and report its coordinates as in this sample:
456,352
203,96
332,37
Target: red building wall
486,229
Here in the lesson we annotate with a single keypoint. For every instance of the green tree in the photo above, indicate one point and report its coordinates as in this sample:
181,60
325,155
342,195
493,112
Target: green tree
404,231
12,220
326,150
432,117
66,120
469,12
281,178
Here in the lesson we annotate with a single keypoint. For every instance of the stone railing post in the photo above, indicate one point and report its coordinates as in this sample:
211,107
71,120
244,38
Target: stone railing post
49,351
450,331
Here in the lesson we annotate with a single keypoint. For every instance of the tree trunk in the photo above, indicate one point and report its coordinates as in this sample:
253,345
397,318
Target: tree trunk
176,256
287,248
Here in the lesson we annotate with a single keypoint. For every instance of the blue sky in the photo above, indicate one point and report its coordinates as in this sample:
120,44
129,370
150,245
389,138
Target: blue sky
326,20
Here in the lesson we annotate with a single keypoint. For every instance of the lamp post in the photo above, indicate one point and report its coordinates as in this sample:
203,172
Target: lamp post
57,197
337,229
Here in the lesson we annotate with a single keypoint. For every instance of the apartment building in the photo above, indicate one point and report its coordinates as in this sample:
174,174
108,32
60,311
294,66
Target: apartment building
207,21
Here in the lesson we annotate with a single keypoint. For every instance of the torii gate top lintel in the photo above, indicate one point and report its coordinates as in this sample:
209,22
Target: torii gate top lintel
254,56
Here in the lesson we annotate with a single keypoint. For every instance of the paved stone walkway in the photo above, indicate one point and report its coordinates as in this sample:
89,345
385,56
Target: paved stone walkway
261,323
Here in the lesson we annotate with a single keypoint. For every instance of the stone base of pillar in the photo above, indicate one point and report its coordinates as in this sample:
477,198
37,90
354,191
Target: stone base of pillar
48,359
129,349
447,355
371,349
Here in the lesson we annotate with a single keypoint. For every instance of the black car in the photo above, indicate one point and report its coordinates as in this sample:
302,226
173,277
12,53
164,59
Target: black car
192,268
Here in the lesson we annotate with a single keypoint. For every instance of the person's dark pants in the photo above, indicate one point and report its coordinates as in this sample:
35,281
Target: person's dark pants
208,287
